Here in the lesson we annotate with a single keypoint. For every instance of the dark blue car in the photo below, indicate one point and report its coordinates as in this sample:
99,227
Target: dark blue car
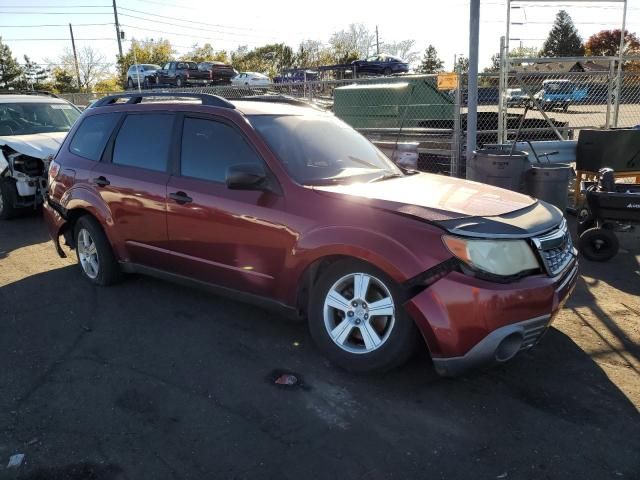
381,64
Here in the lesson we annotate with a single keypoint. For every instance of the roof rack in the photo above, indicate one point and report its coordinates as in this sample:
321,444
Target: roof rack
28,92
205,98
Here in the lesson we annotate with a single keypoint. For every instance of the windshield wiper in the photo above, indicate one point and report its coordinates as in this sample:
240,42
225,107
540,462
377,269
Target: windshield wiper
386,176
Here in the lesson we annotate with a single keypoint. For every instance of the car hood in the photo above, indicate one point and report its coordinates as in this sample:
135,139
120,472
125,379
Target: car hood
39,145
461,206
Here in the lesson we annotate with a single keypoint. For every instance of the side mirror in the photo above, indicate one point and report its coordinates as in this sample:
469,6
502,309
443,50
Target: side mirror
246,176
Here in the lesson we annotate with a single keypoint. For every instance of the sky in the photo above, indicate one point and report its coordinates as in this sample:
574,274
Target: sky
39,28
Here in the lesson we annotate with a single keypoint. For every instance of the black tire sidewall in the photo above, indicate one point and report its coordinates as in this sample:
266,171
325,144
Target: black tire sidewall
399,345
8,210
586,241
108,268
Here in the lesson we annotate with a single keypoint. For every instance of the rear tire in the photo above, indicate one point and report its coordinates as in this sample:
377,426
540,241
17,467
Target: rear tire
95,255
179,83
387,72
354,330
598,244
8,194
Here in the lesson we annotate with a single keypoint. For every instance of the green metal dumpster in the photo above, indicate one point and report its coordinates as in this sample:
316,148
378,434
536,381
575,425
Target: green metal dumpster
399,102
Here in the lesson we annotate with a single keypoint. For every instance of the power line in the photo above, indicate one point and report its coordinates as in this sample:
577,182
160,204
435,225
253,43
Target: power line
232,34
55,6
57,25
51,39
187,21
57,13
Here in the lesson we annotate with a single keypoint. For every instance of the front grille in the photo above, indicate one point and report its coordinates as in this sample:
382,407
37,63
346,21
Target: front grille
556,249
533,330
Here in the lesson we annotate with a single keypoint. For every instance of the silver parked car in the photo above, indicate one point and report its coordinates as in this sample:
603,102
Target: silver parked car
145,73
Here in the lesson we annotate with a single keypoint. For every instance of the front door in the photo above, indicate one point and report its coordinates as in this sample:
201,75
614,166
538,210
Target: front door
132,181
228,237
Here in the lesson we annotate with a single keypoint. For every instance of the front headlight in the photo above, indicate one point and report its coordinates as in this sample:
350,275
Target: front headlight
498,257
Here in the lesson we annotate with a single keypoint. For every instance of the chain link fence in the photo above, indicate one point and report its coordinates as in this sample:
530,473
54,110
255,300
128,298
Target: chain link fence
410,110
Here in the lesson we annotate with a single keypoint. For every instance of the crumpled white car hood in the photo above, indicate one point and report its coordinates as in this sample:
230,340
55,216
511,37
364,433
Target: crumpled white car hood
39,145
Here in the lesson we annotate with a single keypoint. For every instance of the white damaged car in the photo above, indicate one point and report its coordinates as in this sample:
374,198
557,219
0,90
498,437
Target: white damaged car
32,127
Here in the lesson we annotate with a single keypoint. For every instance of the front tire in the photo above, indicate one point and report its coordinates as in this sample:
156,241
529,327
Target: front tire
356,318
179,83
130,84
95,255
8,194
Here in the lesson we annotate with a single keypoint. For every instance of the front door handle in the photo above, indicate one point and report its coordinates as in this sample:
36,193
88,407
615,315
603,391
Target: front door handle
101,181
180,198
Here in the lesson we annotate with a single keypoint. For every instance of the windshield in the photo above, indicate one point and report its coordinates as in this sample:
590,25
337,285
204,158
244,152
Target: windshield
31,118
321,149
559,87
148,67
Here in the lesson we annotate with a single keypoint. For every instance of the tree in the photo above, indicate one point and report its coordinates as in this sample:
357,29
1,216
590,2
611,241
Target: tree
108,85
431,63
92,64
606,43
10,70
518,52
462,65
352,43
34,75
152,51
63,81
269,59
403,49
563,39
205,53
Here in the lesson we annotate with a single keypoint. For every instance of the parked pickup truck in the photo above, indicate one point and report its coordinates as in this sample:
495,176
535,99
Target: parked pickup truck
181,74
560,93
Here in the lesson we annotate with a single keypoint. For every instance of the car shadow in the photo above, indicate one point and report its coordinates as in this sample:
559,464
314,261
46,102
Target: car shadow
28,229
98,372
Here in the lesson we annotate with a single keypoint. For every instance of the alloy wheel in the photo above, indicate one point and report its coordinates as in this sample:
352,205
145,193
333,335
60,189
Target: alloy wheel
359,313
88,254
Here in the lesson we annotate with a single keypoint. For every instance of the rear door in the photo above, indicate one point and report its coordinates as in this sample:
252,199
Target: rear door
132,181
233,238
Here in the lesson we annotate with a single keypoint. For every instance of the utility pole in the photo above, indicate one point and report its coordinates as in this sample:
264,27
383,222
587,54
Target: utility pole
616,109
377,41
75,55
115,15
472,82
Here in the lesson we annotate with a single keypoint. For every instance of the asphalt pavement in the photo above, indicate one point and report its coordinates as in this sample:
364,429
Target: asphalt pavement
150,380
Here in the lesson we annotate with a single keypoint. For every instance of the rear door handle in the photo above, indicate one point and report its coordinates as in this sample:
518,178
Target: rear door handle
180,198
101,181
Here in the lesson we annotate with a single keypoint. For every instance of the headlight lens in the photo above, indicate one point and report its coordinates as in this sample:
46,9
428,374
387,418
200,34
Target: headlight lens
498,257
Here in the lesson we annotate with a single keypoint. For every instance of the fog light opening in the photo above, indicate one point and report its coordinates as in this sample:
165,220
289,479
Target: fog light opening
508,347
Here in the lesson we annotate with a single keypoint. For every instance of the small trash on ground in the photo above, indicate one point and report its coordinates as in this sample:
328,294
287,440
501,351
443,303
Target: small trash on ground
33,441
286,379
15,460
296,344
502,475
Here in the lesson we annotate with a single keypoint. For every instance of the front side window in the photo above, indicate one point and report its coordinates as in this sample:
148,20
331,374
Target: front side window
92,135
29,118
321,149
144,141
209,148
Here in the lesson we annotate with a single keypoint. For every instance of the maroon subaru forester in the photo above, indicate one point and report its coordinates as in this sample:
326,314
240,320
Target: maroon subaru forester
286,205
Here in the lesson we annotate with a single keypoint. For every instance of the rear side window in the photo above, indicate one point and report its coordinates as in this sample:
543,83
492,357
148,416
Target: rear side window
210,147
92,135
143,141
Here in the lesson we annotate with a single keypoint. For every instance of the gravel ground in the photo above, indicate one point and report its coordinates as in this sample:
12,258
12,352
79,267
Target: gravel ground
149,380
